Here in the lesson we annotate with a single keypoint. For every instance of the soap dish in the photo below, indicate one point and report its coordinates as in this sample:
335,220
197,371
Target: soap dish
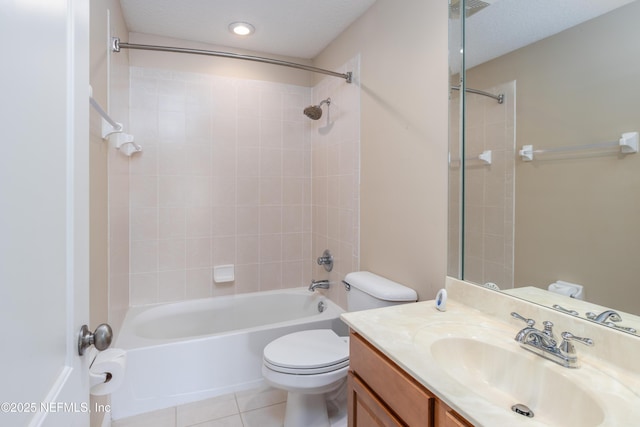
223,273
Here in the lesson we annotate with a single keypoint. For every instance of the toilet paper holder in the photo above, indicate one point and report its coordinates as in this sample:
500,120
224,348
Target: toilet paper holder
106,370
100,338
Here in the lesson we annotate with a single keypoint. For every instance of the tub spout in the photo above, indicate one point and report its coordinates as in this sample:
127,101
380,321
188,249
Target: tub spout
322,284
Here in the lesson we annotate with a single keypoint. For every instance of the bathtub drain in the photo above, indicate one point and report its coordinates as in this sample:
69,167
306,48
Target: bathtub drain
321,306
521,409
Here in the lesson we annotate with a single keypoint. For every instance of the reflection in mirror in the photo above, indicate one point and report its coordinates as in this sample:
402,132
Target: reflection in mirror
455,225
565,215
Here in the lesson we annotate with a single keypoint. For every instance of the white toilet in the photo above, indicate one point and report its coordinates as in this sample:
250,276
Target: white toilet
309,364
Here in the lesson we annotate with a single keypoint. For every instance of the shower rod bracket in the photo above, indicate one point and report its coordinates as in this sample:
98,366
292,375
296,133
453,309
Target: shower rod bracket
108,129
116,46
349,77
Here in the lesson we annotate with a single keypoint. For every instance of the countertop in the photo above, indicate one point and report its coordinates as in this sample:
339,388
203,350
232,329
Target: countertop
404,332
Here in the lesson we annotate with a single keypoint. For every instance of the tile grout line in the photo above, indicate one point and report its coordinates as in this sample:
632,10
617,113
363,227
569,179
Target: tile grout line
235,397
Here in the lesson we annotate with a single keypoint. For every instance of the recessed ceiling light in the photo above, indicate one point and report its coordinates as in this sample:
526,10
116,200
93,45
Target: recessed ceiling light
241,28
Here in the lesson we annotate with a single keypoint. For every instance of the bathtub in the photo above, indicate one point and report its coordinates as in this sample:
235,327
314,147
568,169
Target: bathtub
192,350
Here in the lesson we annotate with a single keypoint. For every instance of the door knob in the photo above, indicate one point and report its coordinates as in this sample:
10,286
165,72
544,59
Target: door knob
100,338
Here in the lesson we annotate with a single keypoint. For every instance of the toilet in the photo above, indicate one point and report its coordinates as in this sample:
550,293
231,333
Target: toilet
311,364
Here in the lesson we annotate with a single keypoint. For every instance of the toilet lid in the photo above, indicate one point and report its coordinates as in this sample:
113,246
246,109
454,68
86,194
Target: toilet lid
308,352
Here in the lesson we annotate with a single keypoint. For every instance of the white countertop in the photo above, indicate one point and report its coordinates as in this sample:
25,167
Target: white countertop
404,333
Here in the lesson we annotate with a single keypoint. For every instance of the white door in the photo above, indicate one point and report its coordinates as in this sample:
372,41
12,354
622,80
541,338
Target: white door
44,250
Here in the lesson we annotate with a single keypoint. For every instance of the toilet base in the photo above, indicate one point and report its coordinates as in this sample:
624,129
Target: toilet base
309,410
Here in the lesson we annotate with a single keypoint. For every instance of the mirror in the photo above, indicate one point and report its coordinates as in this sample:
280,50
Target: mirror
566,209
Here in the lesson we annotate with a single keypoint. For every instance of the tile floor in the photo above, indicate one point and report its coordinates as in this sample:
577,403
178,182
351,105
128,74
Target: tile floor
262,407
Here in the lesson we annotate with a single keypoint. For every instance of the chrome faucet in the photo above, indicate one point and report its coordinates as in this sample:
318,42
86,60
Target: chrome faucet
544,344
608,318
322,284
537,338
604,317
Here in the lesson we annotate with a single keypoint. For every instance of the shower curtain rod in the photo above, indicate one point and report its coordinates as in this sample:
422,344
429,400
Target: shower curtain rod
117,45
499,98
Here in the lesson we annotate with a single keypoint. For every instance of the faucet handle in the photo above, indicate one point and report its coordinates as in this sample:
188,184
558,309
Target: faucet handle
326,260
529,322
568,336
566,347
548,330
622,328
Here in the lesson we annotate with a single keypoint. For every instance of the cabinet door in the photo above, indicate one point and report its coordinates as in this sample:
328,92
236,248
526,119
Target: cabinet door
365,409
447,417
412,403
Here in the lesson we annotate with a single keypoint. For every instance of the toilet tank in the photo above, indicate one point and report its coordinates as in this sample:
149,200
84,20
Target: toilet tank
368,290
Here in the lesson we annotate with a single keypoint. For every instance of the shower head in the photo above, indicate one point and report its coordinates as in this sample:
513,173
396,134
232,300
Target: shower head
314,112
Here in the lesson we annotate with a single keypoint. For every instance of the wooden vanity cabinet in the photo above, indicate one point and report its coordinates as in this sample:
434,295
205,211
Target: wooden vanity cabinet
447,417
381,394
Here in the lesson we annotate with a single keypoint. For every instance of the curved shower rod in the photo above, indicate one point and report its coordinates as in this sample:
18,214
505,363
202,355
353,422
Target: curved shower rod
499,98
117,45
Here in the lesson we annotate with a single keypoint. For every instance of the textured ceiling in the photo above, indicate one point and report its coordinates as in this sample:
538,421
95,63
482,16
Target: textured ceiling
507,25
297,28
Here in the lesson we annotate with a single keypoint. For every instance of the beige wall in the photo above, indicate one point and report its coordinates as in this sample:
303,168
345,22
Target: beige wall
403,138
99,293
109,80
576,215
108,289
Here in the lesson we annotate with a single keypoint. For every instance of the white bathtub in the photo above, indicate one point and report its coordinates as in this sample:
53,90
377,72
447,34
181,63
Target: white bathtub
192,350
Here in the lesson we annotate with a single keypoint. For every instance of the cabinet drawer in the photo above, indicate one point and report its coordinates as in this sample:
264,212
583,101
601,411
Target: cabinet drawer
365,409
409,400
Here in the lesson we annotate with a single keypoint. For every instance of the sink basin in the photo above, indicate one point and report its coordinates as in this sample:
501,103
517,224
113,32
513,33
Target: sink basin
508,376
482,366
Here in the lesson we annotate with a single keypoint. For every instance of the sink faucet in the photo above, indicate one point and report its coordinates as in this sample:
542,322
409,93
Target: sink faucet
545,338
544,344
536,338
605,316
322,284
608,318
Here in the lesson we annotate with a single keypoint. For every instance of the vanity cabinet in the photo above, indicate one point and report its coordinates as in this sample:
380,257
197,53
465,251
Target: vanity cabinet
382,394
447,417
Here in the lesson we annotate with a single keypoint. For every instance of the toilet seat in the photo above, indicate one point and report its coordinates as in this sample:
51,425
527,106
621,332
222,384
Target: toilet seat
307,352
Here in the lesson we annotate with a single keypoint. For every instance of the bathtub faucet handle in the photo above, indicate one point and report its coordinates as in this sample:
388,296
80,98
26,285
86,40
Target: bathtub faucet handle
326,260
322,284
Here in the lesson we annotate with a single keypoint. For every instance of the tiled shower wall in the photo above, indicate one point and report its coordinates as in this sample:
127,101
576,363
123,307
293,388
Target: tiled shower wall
335,153
225,178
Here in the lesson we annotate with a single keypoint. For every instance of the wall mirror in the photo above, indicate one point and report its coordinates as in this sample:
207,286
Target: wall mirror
544,176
